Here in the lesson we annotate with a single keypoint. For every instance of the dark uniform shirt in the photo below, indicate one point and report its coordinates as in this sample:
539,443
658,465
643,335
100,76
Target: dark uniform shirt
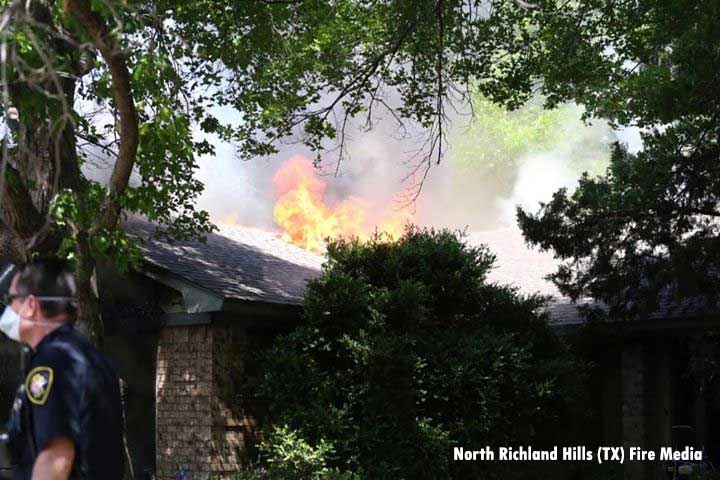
72,391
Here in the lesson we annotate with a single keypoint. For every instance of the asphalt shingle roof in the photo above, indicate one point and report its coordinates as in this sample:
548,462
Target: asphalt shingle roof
525,267
250,264
235,262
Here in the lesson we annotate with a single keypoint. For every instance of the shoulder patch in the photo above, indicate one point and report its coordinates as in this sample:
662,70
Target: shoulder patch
38,383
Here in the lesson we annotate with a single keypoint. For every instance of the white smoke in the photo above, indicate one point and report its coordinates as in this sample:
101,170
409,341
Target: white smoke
378,160
539,176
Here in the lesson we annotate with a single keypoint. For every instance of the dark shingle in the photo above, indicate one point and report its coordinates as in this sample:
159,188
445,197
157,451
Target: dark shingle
249,264
236,262
525,267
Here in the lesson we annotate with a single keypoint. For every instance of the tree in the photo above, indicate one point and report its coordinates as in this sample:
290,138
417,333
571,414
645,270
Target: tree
648,228
131,80
497,141
406,350
50,71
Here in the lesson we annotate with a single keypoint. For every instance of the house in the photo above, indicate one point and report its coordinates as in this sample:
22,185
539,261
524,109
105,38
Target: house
182,329
195,308
172,327
640,381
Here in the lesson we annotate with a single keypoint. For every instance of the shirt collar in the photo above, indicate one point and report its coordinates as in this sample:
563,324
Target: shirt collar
62,329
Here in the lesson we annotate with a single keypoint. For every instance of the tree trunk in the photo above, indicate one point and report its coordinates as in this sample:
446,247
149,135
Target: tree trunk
88,305
45,159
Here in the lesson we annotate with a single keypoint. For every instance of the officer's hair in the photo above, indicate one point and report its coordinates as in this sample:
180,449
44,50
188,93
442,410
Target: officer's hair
49,277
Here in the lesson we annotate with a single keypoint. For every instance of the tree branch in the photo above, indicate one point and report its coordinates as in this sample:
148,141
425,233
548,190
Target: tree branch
129,132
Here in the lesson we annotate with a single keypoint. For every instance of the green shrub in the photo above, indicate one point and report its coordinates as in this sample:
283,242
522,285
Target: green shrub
405,350
286,456
289,457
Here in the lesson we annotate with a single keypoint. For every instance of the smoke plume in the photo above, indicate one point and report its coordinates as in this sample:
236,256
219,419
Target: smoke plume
485,173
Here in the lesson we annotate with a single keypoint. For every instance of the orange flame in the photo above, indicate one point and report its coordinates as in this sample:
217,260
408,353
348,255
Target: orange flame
307,220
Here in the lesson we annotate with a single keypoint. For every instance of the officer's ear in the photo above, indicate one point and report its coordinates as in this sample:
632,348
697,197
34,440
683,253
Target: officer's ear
32,307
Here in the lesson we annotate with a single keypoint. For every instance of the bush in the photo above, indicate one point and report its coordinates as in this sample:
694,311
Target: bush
405,350
286,456
290,457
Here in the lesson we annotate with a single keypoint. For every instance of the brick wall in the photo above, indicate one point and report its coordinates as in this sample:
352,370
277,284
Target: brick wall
633,406
196,428
659,402
184,399
234,427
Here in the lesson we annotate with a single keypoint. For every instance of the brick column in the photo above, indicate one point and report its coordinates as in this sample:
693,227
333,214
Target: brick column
234,427
205,422
633,406
183,402
660,399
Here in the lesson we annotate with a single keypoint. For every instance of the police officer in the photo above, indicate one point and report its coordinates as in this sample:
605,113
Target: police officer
66,420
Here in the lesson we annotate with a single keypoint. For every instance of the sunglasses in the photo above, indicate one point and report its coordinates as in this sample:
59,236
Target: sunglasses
7,298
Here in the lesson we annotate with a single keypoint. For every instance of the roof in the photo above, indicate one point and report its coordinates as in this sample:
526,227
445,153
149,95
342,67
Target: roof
517,263
236,262
244,263
525,267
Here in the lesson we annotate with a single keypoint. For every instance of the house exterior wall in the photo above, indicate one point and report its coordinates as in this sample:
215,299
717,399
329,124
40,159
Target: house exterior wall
648,391
208,421
134,356
131,314
200,426
609,393
633,405
183,401
660,397
235,428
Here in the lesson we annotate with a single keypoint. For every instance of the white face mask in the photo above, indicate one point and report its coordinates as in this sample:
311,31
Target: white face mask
10,323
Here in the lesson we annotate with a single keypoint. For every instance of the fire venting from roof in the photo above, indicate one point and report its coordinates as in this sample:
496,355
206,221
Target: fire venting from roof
307,218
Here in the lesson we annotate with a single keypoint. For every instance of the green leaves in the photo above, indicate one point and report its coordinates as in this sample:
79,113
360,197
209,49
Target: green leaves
73,212
647,230
295,69
497,142
63,208
404,351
